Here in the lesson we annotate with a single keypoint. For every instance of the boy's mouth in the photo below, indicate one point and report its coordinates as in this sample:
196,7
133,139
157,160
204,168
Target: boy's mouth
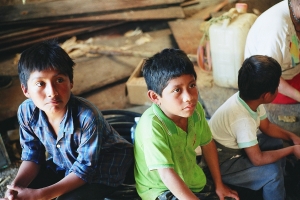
54,101
190,107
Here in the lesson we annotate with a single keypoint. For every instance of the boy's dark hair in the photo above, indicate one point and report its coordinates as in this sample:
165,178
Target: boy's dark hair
45,55
258,74
159,69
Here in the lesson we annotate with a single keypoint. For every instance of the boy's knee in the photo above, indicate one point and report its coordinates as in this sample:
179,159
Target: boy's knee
274,171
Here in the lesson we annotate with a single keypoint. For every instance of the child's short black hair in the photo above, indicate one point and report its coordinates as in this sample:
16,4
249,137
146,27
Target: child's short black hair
159,69
42,56
259,74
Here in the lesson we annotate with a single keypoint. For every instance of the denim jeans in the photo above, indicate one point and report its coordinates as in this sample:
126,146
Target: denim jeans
90,192
47,176
269,177
167,195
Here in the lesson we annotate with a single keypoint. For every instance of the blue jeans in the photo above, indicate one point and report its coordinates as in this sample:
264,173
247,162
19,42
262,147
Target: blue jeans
167,195
269,177
47,176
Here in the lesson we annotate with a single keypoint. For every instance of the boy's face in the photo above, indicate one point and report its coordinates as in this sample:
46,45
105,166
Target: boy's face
179,98
49,90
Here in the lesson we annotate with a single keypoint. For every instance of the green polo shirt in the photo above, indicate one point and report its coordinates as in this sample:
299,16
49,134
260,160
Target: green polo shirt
159,143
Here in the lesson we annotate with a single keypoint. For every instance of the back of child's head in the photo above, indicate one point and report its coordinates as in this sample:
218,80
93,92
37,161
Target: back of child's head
159,69
43,56
258,75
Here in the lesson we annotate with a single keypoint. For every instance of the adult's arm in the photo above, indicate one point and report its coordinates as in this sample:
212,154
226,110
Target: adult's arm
286,89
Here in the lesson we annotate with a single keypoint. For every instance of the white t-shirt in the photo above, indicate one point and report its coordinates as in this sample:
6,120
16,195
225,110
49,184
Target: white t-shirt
273,34
235,125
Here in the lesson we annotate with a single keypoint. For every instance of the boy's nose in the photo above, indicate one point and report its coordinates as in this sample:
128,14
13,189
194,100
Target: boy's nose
187,96
51,90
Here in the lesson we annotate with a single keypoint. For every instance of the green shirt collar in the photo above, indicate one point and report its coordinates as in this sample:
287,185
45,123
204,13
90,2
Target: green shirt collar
169,125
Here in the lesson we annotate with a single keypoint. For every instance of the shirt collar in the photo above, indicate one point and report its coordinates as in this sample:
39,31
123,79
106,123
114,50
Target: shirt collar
168,124
40,119
67,123
253,114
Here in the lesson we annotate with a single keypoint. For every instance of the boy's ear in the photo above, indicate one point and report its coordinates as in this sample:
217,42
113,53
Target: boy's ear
266,96
153,96
25,91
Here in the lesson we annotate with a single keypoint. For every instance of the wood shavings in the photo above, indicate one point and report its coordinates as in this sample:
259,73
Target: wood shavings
256,11
133,33
4,181
68,43
289,119
140,41
78,48
143,40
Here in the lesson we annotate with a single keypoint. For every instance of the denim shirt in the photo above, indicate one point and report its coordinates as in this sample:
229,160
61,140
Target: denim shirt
85,144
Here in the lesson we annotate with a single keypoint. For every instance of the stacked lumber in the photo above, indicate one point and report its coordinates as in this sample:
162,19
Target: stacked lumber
25,24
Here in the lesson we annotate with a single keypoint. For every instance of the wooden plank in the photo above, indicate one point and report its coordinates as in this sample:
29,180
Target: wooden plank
90,74
138,15
206,12
33,33
188,3
58,35
110,97
116,67
73,7
187,34
12,33
192,9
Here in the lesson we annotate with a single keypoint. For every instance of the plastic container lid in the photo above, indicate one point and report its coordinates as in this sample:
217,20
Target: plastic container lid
241,7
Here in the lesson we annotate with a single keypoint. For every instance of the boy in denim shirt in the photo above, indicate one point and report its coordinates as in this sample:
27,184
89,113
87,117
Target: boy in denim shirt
87,158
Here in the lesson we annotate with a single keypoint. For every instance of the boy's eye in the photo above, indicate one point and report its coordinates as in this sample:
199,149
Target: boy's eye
176,90
193,85
60,80
39,84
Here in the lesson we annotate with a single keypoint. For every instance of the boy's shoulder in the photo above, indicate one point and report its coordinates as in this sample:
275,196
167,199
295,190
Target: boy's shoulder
81,105
85,111
28,106
233,101
27,111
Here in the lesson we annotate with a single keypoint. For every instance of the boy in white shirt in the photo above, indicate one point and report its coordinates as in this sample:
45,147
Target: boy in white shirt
248,159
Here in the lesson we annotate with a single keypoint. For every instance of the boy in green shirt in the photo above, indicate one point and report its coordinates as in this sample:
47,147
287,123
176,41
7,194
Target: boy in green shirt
169,132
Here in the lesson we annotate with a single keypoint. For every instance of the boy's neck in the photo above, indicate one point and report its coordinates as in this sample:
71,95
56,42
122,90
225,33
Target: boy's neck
253,104
56,118
54,122
182,123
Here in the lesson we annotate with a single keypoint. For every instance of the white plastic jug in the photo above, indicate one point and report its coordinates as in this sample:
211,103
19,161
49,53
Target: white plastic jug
227,43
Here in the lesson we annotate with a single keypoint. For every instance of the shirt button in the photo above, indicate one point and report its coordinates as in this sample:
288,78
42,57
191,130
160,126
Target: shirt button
58,146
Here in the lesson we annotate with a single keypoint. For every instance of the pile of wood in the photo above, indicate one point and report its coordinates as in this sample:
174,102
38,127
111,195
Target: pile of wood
23,24
31,22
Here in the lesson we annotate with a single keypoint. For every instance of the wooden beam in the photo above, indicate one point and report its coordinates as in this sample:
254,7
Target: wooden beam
187,34
38,10
59,35
139,15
